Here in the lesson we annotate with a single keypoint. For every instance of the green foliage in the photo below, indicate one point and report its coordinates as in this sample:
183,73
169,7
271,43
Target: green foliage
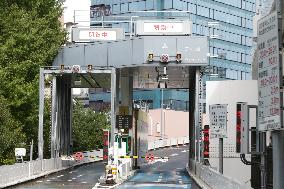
11,135
88,128
30,37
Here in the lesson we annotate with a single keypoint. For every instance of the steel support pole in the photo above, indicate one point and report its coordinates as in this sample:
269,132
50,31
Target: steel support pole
41,109
162,115
196,116
113,108
53,119
278,136
278,159
221,155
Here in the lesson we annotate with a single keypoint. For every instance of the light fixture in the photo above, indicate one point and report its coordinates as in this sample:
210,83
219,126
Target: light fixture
150,57
178,57
90,67
62,67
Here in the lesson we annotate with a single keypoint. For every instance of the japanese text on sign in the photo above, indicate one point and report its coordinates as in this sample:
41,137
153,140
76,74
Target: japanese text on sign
269,114
218,120
163,27
97,35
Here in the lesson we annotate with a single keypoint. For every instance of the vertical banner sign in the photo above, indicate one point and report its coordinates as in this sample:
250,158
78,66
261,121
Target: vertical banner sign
269,74
238,128
218,120
106,145
206,141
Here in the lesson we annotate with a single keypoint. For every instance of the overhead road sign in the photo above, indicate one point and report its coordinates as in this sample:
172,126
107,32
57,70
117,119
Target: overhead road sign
269,74
96,34
163,27
218,120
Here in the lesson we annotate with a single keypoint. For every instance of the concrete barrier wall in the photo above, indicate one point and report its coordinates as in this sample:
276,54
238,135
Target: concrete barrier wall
167,142
212,178
21,172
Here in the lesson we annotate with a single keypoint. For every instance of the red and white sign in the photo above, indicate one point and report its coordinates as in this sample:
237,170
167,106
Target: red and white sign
165,58
97,35
163,27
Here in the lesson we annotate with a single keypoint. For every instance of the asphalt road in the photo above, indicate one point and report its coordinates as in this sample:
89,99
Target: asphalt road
82,177
164,174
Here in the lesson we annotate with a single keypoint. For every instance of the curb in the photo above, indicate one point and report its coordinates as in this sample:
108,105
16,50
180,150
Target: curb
132,173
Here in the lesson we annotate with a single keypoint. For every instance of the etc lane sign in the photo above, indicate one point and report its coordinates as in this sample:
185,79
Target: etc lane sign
269,74
218,120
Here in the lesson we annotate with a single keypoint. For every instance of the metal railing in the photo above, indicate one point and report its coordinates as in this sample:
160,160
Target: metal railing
130,19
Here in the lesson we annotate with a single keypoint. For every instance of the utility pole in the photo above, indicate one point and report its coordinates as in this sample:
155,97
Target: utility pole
278,135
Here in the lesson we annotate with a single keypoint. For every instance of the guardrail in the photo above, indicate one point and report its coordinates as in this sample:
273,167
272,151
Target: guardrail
22,172
161,143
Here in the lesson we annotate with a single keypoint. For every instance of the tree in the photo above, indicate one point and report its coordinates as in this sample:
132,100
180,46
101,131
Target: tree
11,135
88,128
30,37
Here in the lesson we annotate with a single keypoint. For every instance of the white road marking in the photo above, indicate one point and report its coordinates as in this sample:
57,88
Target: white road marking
160,176
84,182
174,155
74,178
60,176
39,181
183,151
69,180
79,176
47,180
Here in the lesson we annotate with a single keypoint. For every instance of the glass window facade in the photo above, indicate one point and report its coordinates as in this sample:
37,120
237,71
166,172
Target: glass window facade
233,36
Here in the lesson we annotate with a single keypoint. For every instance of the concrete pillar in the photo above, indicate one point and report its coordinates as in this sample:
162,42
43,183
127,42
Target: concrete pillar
126,97
41,109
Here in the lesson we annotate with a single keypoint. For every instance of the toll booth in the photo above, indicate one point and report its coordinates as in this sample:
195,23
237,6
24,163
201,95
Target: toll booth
159,54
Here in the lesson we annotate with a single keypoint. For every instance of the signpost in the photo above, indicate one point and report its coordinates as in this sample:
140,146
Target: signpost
218,120
218,127
269,74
